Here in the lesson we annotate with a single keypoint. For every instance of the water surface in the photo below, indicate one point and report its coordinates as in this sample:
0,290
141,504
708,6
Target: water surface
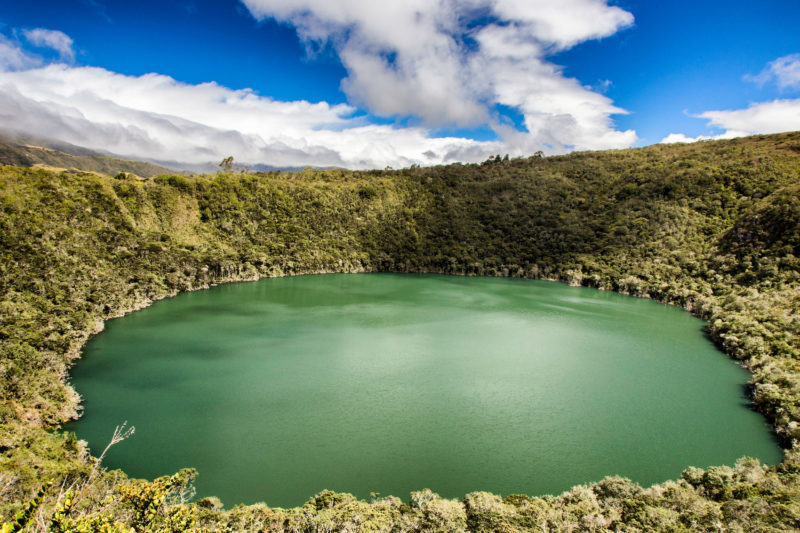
277,389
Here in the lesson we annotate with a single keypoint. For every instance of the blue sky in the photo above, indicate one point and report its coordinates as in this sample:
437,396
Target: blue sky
359,83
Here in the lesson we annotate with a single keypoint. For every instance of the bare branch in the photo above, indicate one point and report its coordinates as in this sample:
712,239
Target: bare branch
120,434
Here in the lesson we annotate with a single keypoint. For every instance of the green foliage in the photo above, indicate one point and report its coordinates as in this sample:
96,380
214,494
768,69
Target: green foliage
711,227
24,517
147,501
226,164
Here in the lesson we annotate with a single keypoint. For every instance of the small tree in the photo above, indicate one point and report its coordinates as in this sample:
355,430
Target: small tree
227,163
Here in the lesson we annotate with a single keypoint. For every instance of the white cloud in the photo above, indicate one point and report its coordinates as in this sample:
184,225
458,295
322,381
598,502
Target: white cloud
767,117
450,62
54,39
564,23
12,57
682,138
785,71
155,117
558,111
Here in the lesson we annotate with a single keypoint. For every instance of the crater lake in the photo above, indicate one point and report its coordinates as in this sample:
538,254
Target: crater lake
387,383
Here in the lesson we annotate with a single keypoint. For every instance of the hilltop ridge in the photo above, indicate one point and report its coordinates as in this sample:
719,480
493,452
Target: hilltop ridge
26,151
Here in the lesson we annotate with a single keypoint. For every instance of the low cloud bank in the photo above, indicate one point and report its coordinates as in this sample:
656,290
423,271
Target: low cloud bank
777,116
155,117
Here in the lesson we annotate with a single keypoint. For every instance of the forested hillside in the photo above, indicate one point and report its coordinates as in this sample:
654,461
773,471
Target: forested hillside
713,227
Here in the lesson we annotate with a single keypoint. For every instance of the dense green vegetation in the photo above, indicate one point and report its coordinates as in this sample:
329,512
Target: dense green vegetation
712,227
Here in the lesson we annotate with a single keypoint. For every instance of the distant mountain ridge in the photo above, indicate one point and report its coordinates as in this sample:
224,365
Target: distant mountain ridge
26,151
18,149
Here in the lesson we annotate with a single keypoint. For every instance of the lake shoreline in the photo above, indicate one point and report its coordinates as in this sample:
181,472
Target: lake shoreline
189,337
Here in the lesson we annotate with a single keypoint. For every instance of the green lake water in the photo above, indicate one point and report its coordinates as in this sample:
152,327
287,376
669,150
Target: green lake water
386,383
